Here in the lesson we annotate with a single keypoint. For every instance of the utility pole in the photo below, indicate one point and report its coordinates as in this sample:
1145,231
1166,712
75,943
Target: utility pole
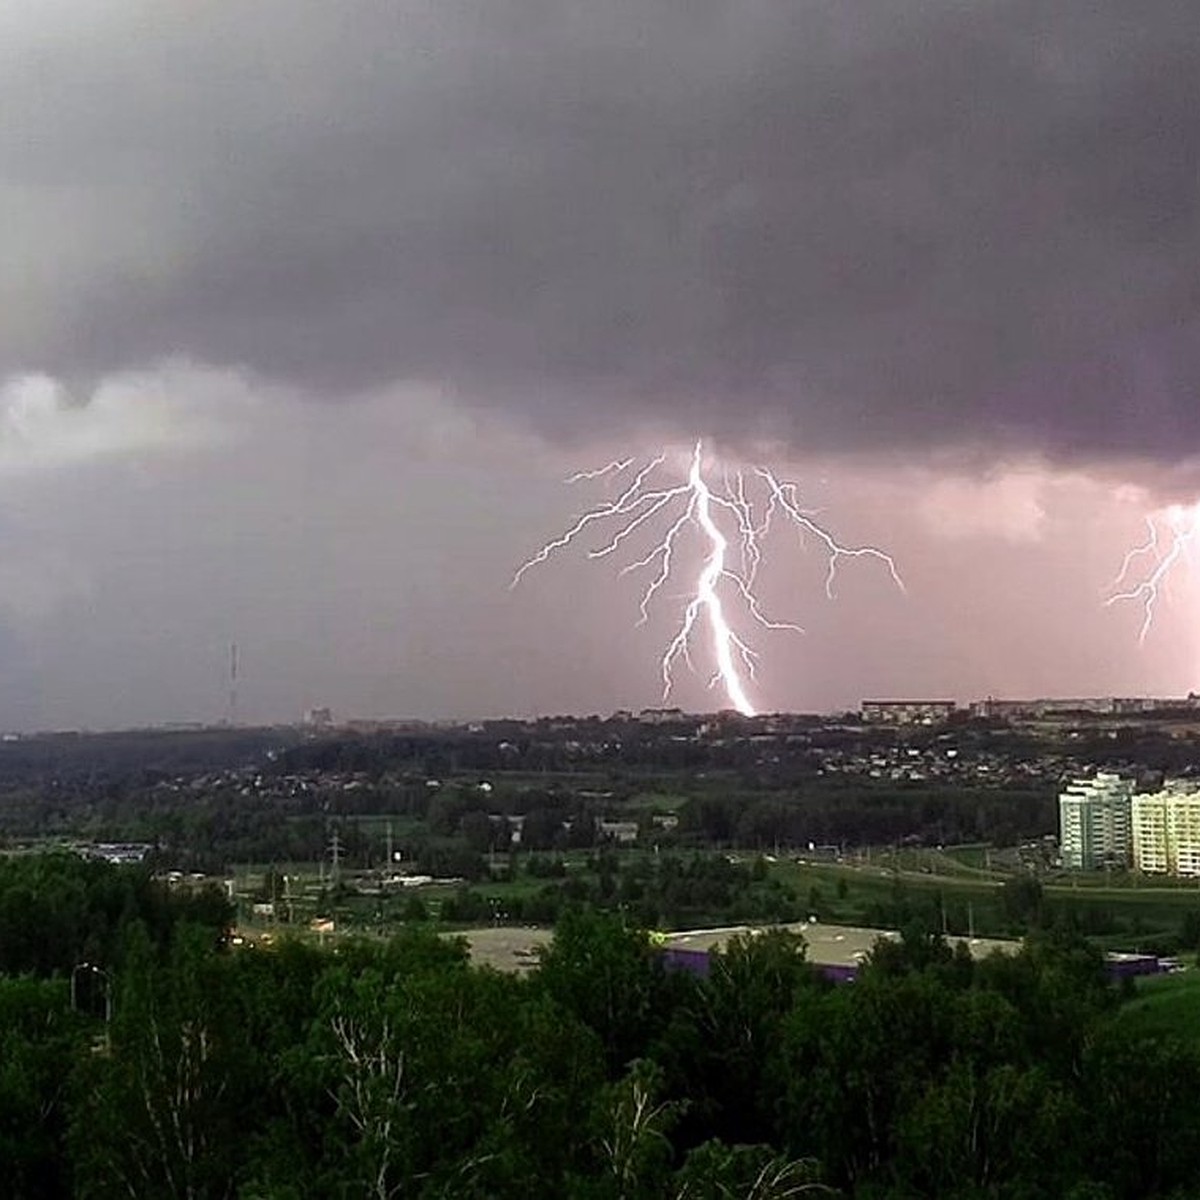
335,856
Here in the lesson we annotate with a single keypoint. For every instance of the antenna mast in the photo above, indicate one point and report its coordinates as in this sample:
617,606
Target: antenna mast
233,683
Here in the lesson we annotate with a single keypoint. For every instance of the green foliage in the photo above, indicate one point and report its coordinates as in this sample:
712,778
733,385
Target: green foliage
1166,1006
724,1039
715,1171
607,976
163,1106
664,891
57,910
1022,899
41,1040
390,1069
635,1144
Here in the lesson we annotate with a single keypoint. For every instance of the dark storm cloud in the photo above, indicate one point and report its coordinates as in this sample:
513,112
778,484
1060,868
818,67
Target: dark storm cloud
853,224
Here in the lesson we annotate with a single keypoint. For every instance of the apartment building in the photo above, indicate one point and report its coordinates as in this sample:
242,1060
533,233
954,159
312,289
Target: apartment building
907,712
1165,829
1094,822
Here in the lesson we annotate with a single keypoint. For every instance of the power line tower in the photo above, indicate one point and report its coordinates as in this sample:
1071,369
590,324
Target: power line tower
233,683
335,856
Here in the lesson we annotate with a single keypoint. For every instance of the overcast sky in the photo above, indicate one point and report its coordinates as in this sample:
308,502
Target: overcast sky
308,310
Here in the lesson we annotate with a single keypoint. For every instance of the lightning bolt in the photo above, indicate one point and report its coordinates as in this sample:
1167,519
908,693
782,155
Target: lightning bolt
735,514
614,468
1170,536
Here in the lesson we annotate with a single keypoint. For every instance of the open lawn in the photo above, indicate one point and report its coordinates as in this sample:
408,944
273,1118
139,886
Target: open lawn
973,857
1166,1006
1124,916
654,802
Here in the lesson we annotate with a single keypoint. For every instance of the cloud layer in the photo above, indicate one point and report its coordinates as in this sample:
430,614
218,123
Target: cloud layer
861,226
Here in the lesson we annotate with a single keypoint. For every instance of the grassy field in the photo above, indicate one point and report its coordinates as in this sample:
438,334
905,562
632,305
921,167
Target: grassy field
868,894
1166,1005
970,857
1126,914
653,802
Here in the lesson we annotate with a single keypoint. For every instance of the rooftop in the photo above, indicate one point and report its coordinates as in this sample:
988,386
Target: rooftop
508,949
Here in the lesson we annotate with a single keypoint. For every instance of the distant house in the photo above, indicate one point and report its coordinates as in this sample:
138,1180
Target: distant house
118,852
619,831
660,716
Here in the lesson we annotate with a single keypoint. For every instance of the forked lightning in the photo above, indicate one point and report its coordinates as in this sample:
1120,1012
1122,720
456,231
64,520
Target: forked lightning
1180,524
732,522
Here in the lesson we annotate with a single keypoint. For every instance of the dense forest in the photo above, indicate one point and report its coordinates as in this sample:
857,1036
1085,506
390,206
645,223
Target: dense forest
144,1057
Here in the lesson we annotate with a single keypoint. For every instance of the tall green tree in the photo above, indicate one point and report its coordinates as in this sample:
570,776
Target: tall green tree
609,977
159,1113
41,1040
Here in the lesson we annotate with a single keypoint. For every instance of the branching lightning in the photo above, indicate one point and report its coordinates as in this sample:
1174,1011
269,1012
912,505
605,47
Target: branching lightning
740,513
1170,538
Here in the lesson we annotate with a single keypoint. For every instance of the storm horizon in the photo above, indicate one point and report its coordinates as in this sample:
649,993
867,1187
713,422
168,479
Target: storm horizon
309,316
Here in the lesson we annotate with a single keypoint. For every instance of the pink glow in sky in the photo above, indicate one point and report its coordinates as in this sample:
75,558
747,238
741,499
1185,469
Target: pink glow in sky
361,556
298,357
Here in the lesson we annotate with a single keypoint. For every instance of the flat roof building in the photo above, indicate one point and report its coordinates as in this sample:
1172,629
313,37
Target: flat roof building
907,712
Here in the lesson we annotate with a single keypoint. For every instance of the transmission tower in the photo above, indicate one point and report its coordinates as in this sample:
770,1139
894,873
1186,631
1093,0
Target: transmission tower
233,683
335,855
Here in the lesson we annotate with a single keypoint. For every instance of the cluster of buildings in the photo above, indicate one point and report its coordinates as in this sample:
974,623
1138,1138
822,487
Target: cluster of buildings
936,712
1105,824
907,712
1103,706
962,760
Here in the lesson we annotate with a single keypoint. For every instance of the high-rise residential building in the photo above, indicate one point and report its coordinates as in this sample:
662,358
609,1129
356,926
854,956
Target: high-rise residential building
1165,828
1093,822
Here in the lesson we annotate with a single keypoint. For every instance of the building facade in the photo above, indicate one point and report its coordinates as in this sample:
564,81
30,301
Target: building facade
1055,706
1094,822
1165,830
907,712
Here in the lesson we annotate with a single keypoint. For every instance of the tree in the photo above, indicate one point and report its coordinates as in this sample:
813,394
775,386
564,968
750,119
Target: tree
161,1111
41,1039
477,831
610,978
1022,900
978,1128
541,829
635,1143
371,1093
734,1022
1143,1112
715,1171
